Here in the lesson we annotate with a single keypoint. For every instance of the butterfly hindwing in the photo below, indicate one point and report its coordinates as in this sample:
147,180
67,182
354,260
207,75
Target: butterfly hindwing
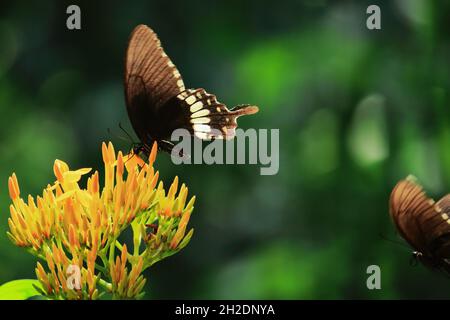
208,118
444,204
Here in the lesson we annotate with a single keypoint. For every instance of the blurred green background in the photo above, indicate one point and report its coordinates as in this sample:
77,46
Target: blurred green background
357,111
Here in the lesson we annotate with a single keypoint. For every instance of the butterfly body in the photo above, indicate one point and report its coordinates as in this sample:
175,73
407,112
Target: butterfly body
158,102
423,223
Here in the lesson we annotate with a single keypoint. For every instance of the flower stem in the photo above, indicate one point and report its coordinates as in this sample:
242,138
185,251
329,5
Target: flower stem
101,269
106,285
119,246
112,248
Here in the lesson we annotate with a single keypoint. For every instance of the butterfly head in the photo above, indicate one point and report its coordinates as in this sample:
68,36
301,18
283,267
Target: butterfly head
415,258
428,261
140,148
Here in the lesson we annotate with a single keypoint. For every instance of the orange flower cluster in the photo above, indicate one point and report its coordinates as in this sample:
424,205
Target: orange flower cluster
127,284
58,282
73,226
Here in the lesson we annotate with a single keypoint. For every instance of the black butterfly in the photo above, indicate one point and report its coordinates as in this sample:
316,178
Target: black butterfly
424,224
158,102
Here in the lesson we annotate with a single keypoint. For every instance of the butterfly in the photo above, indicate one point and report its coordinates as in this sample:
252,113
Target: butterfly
423,223
158,102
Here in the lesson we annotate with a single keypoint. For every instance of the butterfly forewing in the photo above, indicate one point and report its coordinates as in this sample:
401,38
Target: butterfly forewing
151,79
418,219
146,59
404,216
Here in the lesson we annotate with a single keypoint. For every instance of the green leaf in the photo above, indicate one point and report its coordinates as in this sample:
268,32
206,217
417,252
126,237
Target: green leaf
19,289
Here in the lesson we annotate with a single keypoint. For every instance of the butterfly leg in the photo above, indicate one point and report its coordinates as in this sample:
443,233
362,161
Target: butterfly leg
168,147
165,145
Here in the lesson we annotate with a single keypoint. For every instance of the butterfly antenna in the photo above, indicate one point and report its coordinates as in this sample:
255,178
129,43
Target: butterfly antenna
127,138
393,241
126,132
